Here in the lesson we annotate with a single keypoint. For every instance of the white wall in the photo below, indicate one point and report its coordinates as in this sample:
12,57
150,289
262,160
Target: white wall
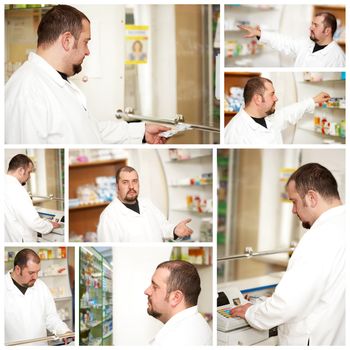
298,18
275,219
133,268
153,184
286,92
157,78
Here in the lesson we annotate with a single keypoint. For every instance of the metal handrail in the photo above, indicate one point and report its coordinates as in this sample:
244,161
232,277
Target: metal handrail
49,197
249,253
128,115
42,339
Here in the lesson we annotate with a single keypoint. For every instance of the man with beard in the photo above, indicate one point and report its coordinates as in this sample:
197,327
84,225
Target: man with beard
172,299
43,107
22,221
30,309
258,122
132,219
308,305
319,51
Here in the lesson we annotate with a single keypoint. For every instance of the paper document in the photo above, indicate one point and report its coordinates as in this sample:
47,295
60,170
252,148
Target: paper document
178,128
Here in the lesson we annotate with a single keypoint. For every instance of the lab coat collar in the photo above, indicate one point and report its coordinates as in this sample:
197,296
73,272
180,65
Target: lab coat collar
126,211
10,286
328,214
253,124
182,315
12,179
49,70
325,51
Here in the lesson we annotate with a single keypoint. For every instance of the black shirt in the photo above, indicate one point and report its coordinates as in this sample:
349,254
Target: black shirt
21,288
318,47
135,207
63,75
260,121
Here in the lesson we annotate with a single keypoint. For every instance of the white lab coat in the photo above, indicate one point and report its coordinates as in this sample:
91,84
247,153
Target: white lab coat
331,56
309,301
22,221
121,224
242,129
43,108
186,328
29,315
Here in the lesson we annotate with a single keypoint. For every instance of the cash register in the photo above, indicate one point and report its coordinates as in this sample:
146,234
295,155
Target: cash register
57,234
235,330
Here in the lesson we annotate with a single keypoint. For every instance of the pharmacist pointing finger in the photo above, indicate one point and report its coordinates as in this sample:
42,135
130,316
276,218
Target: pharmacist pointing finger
258,122
30,309
319,50
129,218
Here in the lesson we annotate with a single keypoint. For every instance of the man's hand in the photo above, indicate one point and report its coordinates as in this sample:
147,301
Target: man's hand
68,340
252,32
152,132
322,97
55,224
240,311
182,230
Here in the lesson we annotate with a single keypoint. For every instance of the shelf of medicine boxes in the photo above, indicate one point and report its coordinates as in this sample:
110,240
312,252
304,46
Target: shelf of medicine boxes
184,168
84,218
54,272
192,158
198,256
28,11
107,304
310,127
233,35
339,12
307,124
194,212
95,298
222,161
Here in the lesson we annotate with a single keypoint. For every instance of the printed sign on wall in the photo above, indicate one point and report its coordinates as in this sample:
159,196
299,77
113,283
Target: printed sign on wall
136,40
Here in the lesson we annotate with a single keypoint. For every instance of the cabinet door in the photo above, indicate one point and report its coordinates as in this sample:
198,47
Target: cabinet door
102,76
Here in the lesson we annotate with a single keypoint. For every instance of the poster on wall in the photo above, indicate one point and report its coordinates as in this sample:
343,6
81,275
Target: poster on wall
136,44
285,174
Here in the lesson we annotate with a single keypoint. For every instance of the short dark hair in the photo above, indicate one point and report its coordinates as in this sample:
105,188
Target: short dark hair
313,176
19,161
23,256
254,86
329,20
184,277
125,168
58,20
